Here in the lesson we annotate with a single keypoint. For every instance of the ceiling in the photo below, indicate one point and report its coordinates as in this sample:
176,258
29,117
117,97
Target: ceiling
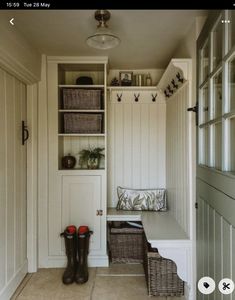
148,37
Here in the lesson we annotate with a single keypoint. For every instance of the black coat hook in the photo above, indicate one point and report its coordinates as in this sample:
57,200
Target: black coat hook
136,97
166,94
170,90
154,97
175,86
119,97
180,79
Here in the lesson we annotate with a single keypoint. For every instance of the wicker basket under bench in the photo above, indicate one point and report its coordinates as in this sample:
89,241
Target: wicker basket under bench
125,244
161,274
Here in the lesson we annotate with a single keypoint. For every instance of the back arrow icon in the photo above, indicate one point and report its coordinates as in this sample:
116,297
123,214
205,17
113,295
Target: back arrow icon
11,21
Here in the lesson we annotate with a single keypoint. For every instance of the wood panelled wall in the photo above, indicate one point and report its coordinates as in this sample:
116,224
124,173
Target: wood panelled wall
177,157
215,231
13,201
136,142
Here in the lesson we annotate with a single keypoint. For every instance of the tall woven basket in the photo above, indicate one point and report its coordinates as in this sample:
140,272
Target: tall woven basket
161,274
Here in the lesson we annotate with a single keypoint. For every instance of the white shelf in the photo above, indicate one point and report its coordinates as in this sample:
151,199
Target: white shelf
81,86
82,110
81,172
130,88
81,134
122,215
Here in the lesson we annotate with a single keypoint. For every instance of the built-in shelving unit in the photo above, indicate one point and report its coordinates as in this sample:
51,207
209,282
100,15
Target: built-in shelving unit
71,138
77,195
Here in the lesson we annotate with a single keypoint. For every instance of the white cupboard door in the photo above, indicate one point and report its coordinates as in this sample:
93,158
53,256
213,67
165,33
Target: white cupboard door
81,198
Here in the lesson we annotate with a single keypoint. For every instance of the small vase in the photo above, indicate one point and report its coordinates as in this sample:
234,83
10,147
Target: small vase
68,161
93,163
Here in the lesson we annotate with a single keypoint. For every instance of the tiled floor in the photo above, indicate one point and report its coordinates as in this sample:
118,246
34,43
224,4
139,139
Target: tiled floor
118,282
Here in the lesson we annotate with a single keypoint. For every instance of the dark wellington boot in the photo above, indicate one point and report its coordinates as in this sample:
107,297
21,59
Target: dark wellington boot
83,250
70,239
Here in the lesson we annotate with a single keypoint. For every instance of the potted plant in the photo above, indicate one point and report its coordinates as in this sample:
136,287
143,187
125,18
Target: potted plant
91,157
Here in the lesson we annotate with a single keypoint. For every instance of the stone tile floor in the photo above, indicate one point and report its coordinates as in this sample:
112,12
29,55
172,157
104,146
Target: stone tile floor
118,282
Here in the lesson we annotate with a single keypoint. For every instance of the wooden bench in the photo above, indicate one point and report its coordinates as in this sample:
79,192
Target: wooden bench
164,233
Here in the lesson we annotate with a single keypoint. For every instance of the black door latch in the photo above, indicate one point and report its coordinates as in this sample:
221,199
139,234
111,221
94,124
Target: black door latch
194,109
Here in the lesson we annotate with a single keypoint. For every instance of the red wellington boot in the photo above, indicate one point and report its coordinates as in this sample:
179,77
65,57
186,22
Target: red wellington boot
70,238
83,250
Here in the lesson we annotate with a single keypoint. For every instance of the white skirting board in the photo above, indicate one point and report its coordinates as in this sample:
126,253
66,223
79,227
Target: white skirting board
12,285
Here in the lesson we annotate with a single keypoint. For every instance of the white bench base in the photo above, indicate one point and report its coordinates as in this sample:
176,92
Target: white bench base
164,233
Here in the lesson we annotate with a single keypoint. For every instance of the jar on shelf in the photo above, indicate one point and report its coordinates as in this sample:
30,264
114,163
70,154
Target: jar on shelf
139,79
148,80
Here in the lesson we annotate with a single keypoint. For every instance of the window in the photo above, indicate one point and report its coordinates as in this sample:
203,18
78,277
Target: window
217,96
217,44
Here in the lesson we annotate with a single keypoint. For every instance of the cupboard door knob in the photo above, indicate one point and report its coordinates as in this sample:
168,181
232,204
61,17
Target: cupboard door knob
99,212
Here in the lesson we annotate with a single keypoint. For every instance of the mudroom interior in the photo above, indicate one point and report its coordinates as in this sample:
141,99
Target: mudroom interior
108,118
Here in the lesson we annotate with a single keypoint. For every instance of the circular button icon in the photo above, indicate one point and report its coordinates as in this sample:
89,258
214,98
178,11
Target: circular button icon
226,286
206,285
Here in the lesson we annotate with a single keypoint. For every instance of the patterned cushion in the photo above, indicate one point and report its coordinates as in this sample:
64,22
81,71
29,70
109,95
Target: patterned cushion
150,199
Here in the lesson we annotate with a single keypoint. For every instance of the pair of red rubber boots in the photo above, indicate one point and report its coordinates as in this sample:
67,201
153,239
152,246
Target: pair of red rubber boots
77,249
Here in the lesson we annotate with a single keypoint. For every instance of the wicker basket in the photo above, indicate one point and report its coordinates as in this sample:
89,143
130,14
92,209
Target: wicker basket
82,123
161,274
81,99
126,245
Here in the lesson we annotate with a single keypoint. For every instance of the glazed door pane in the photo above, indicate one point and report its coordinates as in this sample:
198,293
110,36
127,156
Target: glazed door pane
217,36
217,95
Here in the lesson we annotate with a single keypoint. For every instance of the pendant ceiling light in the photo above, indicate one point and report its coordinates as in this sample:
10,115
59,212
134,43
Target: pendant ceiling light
103,37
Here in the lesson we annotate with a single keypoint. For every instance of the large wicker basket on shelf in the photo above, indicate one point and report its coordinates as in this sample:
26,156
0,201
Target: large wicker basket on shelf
126,245
82,123
81,99
161,274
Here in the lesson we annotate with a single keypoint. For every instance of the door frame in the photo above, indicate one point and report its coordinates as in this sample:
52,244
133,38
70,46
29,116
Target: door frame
15,68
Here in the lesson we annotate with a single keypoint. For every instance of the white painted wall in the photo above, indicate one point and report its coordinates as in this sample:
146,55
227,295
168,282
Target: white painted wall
178,194
17,54
136,142
177,162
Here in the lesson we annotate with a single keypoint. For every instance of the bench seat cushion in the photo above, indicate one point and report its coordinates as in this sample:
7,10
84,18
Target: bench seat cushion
147,199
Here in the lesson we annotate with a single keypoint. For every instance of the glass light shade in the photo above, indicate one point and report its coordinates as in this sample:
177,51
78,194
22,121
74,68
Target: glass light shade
103,39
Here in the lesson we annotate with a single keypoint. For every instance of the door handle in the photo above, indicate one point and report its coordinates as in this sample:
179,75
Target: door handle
195,110
99,212
24,132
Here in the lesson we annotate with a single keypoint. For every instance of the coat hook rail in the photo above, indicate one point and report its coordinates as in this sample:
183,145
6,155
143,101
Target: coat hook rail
166,94
119,97
154,97
180,79
136,97
175,86
169,89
